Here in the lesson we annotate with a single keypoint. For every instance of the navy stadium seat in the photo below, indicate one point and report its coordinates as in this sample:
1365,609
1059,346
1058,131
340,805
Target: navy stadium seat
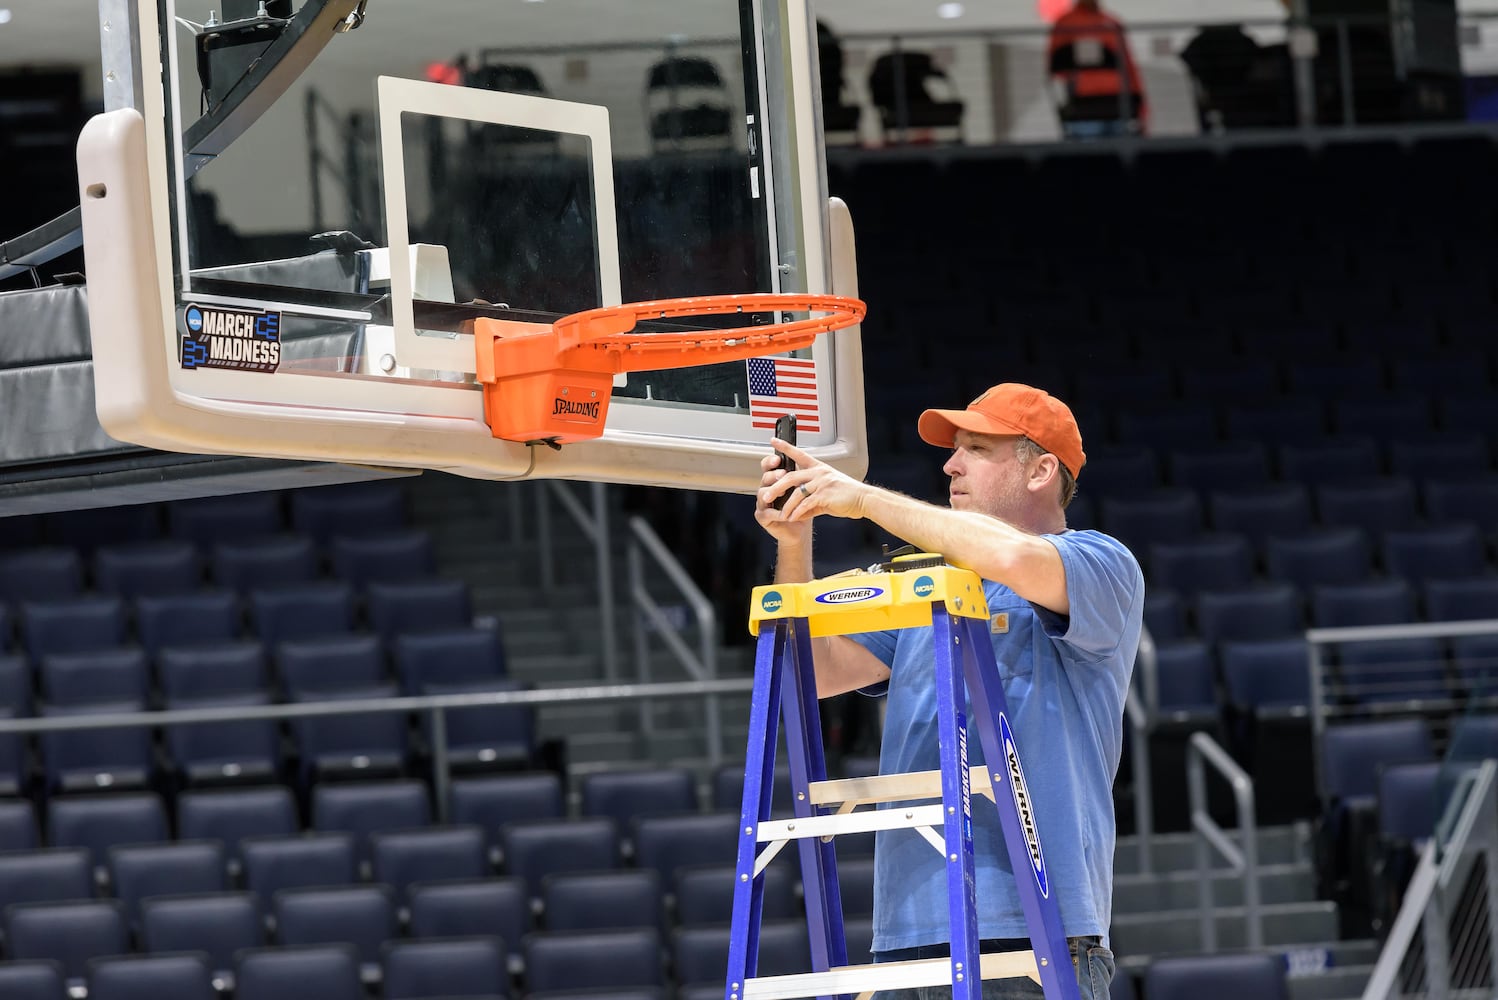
449,656
225,752
46,574
397,608
1475,661
18,828
702,952
363,745
1386,601
491,801
1164,614
264,563
1382,416
1121,470
626,794
363,916
231,815
14,768
481,736
205,616
433,854
208,520
139,871
1320,556
327,972
607,900
462,967
79,625
1221,977
383,558
39,980
1471,500
1444,551
69,933
1230,465
630,957
1187,684
309,667
1473,598
1473,737
1277,421
370,807
1261,511
1331,377
1260,611
275,863
99,822
1218,561
112,675
213,671
1446,455
1243,381
216,926
1162,515
302,611
1329,460
1353,751
359,509
499,906
1407,803
135,570
150,977
1374,505
81,759
91,527
1169,425
704,894
1267,673
15,685
534,849
50,875
670,843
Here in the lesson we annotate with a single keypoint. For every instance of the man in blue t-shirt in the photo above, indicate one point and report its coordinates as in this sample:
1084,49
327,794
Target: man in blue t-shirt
1066,609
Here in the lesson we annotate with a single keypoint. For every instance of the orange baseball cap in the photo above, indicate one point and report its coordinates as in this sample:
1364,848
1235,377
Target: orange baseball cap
1012,408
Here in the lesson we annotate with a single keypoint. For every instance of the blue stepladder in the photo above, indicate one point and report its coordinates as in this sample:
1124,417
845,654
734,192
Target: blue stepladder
916,591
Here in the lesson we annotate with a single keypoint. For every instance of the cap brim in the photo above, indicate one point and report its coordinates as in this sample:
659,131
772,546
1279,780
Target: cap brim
940,427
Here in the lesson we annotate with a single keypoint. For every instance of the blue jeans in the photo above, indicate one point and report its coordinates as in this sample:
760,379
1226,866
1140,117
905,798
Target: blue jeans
1093,962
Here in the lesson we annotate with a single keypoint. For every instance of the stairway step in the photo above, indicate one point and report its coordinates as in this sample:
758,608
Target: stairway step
1177,851
557,669
601,747
1293,883
1180,930
1345,982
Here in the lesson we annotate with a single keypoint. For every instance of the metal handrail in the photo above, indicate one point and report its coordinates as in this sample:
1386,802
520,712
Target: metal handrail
1139,712
595,527
436,704
1471,816
1202,750
701,665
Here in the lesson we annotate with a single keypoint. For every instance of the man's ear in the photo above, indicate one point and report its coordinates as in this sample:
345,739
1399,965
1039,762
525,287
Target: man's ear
1043,472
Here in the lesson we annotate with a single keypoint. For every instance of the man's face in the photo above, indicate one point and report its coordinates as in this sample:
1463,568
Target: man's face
986,474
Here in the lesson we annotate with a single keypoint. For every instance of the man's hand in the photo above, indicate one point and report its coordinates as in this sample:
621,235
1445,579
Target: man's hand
813,488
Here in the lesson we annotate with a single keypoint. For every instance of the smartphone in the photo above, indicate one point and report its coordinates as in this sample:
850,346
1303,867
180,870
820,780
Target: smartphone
785,430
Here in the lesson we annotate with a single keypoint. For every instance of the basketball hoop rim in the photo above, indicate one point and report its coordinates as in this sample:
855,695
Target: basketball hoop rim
611,328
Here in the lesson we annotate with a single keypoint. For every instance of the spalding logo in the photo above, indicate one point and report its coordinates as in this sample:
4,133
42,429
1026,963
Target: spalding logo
924,587
849,595
771,602
1023,806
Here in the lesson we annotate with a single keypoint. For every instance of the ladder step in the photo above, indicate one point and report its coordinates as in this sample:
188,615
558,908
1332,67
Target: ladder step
891,788
801,827
864,980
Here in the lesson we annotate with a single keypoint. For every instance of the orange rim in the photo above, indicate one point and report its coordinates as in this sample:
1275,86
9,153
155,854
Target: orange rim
612,327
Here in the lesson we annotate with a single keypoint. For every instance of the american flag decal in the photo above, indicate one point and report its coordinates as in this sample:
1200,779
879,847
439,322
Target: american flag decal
778,386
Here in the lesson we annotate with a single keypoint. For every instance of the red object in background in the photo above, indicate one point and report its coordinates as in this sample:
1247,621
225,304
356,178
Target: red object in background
1049,10
440,72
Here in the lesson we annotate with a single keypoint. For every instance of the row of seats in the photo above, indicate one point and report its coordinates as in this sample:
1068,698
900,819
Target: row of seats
247,563
319,512
1270,610
291,612
471,966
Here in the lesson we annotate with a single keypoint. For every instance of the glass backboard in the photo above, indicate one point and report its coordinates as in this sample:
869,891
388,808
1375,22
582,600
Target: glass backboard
291,235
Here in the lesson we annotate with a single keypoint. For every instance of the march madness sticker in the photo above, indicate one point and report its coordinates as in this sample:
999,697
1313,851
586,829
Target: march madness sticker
246,340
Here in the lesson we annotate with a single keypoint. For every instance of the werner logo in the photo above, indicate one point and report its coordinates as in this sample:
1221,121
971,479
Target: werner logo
771,602
247,340
924,587
1023,806
561,406
849,595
